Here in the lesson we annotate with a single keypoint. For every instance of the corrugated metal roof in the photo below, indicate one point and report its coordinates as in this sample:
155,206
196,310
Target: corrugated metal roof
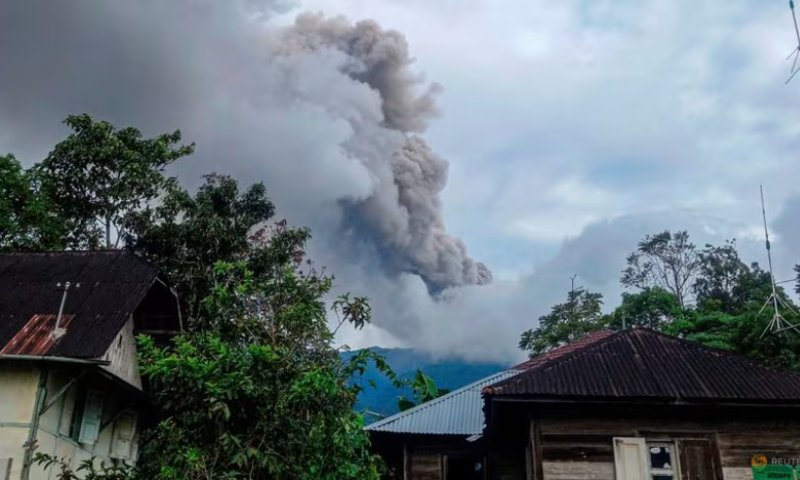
36,337
112,284
563,350
460,412
643,364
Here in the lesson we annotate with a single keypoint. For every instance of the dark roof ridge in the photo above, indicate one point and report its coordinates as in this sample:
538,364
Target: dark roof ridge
124,251
691,343
62,252
636,337
722,351
576,352
555,361
570,349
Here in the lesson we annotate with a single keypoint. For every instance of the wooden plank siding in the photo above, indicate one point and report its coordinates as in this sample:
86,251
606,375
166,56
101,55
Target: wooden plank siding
425,465
582,448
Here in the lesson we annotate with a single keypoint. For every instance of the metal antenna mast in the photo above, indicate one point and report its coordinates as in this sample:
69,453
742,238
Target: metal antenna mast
796,51
778,323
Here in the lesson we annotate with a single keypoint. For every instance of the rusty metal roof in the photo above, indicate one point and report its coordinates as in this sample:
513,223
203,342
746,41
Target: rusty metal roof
112,284
645,365
36,337
563,350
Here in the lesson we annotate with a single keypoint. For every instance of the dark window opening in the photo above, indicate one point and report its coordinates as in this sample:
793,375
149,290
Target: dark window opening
465,468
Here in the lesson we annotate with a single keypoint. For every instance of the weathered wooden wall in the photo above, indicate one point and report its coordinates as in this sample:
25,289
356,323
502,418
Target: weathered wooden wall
121,355
425,465
582,448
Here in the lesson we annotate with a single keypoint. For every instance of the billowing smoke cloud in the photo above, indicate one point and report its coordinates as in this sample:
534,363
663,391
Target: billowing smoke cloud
403,214
326,112
330,116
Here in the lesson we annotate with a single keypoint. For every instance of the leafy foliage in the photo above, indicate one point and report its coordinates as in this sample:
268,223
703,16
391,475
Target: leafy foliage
566,322
664,260
424,389
99,173
87,470
255,389
185,236
260,393
727,313
27,218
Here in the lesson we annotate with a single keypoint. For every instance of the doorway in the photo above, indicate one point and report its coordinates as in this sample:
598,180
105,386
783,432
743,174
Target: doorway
465,468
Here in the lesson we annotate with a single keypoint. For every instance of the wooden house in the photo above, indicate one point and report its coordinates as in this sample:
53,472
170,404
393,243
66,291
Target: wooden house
443,439
69,378
640,405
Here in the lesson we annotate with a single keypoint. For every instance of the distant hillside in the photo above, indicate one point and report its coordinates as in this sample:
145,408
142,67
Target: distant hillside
449,374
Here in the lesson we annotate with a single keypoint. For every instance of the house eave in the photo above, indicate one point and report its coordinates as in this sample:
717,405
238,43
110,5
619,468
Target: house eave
678,402
54,359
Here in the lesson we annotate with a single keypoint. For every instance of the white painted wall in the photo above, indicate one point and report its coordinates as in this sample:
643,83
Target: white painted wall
18,385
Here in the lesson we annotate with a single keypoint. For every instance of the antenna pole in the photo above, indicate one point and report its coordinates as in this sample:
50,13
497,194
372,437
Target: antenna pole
769,251
777,323
796,51
59,332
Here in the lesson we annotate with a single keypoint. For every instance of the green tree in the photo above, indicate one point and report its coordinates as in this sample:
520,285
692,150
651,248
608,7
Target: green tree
255,388
653,308
262,395
566,322
423,389
27,218
186,235
664,260
100,173
726,283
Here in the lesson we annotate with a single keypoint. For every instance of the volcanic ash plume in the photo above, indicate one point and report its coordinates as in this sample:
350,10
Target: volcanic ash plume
402,216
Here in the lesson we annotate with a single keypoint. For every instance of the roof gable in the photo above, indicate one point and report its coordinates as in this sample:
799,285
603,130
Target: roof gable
112,284
643,364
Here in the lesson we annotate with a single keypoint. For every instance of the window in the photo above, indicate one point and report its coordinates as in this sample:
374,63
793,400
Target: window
661,461
638,459
92,417
81,415
124,429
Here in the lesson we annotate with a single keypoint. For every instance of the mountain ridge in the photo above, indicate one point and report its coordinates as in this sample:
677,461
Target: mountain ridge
450,373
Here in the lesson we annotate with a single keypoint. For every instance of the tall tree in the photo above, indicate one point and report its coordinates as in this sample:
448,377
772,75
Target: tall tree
186,235
653,308
566,322
664,260
260,393
27,218
100,173
726,281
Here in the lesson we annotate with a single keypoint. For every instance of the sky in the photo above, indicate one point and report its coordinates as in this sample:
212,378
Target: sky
557,135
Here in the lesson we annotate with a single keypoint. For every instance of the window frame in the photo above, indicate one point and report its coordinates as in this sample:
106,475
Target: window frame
642,454
674,471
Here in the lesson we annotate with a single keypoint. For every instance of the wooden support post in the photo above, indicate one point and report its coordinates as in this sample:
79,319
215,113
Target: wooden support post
535,442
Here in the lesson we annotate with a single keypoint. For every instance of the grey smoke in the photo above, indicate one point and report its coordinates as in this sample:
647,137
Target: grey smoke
403,215
328,113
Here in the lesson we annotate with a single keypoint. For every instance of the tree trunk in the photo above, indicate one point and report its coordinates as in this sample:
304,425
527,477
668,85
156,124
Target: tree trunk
108,232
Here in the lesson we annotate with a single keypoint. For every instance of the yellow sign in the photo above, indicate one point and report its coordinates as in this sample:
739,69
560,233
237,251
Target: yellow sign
758,461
